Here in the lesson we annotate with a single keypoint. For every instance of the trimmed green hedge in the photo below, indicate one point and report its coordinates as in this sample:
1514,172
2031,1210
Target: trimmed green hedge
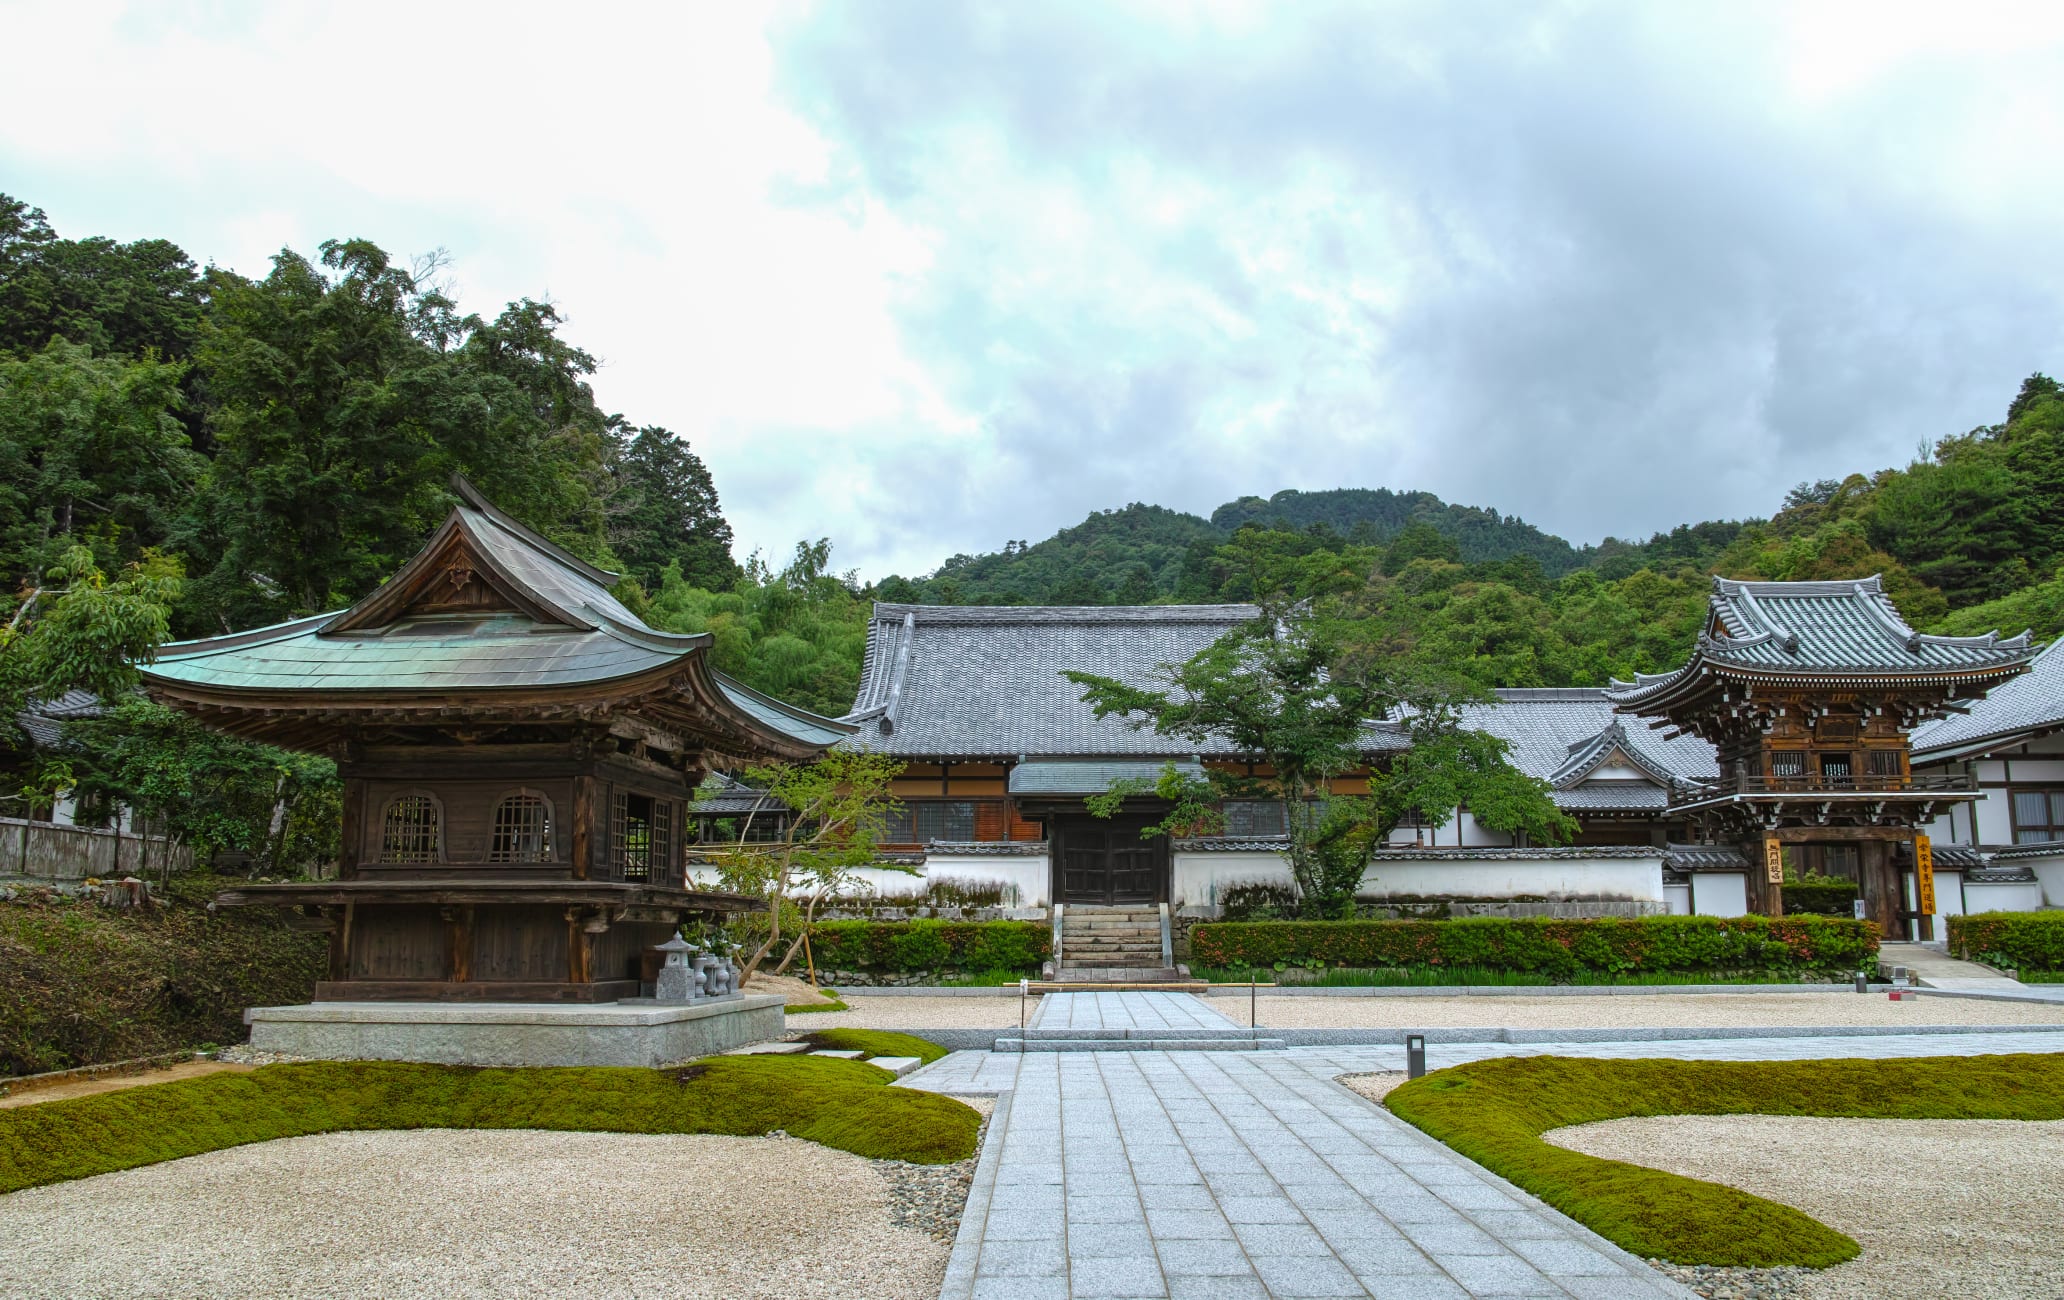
1549,947
1495,1111
2028,940
931,945
1820,896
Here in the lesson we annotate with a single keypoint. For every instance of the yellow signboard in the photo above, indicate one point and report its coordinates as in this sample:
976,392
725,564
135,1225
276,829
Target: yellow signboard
1924,875
1773,862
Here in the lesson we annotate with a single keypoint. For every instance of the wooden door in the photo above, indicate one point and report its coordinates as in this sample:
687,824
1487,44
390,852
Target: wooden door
1107,863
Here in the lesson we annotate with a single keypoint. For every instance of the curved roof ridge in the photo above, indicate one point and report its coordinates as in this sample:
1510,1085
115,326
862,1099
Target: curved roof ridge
892,611
473,497
1590,753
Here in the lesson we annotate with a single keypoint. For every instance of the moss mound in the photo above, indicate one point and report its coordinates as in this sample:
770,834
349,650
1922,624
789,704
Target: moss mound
875,1042
841,1104
1495,1111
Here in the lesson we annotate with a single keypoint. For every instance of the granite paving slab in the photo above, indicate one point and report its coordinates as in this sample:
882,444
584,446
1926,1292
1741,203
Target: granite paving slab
1136,1175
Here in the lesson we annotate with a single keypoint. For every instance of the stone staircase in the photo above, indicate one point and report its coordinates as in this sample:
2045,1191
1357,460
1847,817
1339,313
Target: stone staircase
1124,944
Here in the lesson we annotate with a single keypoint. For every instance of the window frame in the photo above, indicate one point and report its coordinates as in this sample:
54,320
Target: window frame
551,828
2053,797
436,851
904,817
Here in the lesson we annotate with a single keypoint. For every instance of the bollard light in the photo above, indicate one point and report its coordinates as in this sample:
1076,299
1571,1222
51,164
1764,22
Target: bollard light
1415,1055
1862,982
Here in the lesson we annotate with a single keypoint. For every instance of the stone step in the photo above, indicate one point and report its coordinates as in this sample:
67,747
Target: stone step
1141,973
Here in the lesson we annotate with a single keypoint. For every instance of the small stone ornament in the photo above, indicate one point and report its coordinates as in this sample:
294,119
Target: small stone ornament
677,979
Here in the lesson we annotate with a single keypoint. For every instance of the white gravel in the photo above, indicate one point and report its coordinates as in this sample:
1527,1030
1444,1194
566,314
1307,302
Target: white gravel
887,1011
1955,1209
443,1213
1647,1011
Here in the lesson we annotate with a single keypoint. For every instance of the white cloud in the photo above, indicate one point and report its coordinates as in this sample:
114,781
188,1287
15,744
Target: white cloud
925,278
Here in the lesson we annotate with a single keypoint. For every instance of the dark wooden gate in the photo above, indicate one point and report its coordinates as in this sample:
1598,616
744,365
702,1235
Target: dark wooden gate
1107,862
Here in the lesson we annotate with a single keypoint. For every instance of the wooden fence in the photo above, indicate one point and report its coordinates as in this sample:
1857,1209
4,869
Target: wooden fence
53,852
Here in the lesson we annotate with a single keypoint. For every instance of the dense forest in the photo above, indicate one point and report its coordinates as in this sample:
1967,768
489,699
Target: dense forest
185,450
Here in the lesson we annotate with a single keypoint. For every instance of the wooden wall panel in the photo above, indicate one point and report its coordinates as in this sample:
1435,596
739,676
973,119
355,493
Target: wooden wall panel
992,820
519,944
1021,829
406,943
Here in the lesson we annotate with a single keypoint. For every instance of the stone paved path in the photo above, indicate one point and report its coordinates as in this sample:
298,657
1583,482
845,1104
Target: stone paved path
1221,1175
1236,1175
1176,1174
1173,1013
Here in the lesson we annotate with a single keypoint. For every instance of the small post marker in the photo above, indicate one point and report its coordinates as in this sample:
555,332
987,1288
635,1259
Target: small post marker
1415,1055
1250,1003
1024,990
1862,982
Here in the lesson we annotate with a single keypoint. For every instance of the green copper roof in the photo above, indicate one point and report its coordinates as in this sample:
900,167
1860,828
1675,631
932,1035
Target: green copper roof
487,605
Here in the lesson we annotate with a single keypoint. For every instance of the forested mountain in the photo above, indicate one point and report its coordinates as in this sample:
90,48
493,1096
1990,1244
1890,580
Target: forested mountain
268,447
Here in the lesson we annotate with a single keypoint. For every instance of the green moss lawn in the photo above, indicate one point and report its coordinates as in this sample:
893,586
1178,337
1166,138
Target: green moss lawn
1495,1111
842,1104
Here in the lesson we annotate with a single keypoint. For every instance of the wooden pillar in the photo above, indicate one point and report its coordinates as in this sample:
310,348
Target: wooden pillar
340,941
584,795
458,944
1884,896
579,947
349,848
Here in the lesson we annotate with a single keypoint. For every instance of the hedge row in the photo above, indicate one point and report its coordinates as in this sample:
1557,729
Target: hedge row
1820,896
931,945
1548,946
2027,940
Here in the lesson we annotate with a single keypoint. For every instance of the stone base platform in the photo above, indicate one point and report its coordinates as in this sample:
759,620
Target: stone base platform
642,1033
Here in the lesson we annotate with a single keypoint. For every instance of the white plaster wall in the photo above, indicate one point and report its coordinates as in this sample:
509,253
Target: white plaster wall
2003,898
1460,831
1721,893
1028,873
2049,874
1995,817
1679,899
1634,879
1196,878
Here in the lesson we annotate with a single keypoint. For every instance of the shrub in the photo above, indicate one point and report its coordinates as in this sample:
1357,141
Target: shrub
2028,940
1548,946
1820,896
841,1104
1258,900
1495,1111
931,945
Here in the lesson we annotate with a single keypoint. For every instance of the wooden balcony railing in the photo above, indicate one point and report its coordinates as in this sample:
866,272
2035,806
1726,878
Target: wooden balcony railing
1809,785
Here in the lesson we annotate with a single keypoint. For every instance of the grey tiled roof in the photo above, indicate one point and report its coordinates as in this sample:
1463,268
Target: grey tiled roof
1560,852
2032,702
1234,844
1706,857
986,680
728,796
989,848
1613,796
1088,777
43,720
1961,857
1545,726
2000,876
1822,629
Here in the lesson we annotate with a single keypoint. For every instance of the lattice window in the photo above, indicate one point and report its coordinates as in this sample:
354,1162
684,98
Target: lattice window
411,830
1884,762
661,860
522,829
1255,819
631,835
923,820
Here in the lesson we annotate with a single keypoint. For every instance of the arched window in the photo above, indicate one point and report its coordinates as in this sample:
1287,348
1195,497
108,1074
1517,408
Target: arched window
522,828
412,830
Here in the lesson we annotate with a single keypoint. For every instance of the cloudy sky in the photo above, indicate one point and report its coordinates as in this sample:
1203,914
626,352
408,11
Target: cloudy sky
926,278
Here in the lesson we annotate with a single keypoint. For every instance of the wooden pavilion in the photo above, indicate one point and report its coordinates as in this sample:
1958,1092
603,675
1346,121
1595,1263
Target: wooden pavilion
519,753
1808,692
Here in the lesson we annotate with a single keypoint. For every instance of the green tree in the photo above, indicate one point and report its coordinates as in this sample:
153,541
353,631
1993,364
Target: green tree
838,810
91,452
665,511
1295,690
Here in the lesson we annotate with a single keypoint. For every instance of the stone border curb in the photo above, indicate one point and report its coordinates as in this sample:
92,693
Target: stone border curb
985,1040
959,1282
